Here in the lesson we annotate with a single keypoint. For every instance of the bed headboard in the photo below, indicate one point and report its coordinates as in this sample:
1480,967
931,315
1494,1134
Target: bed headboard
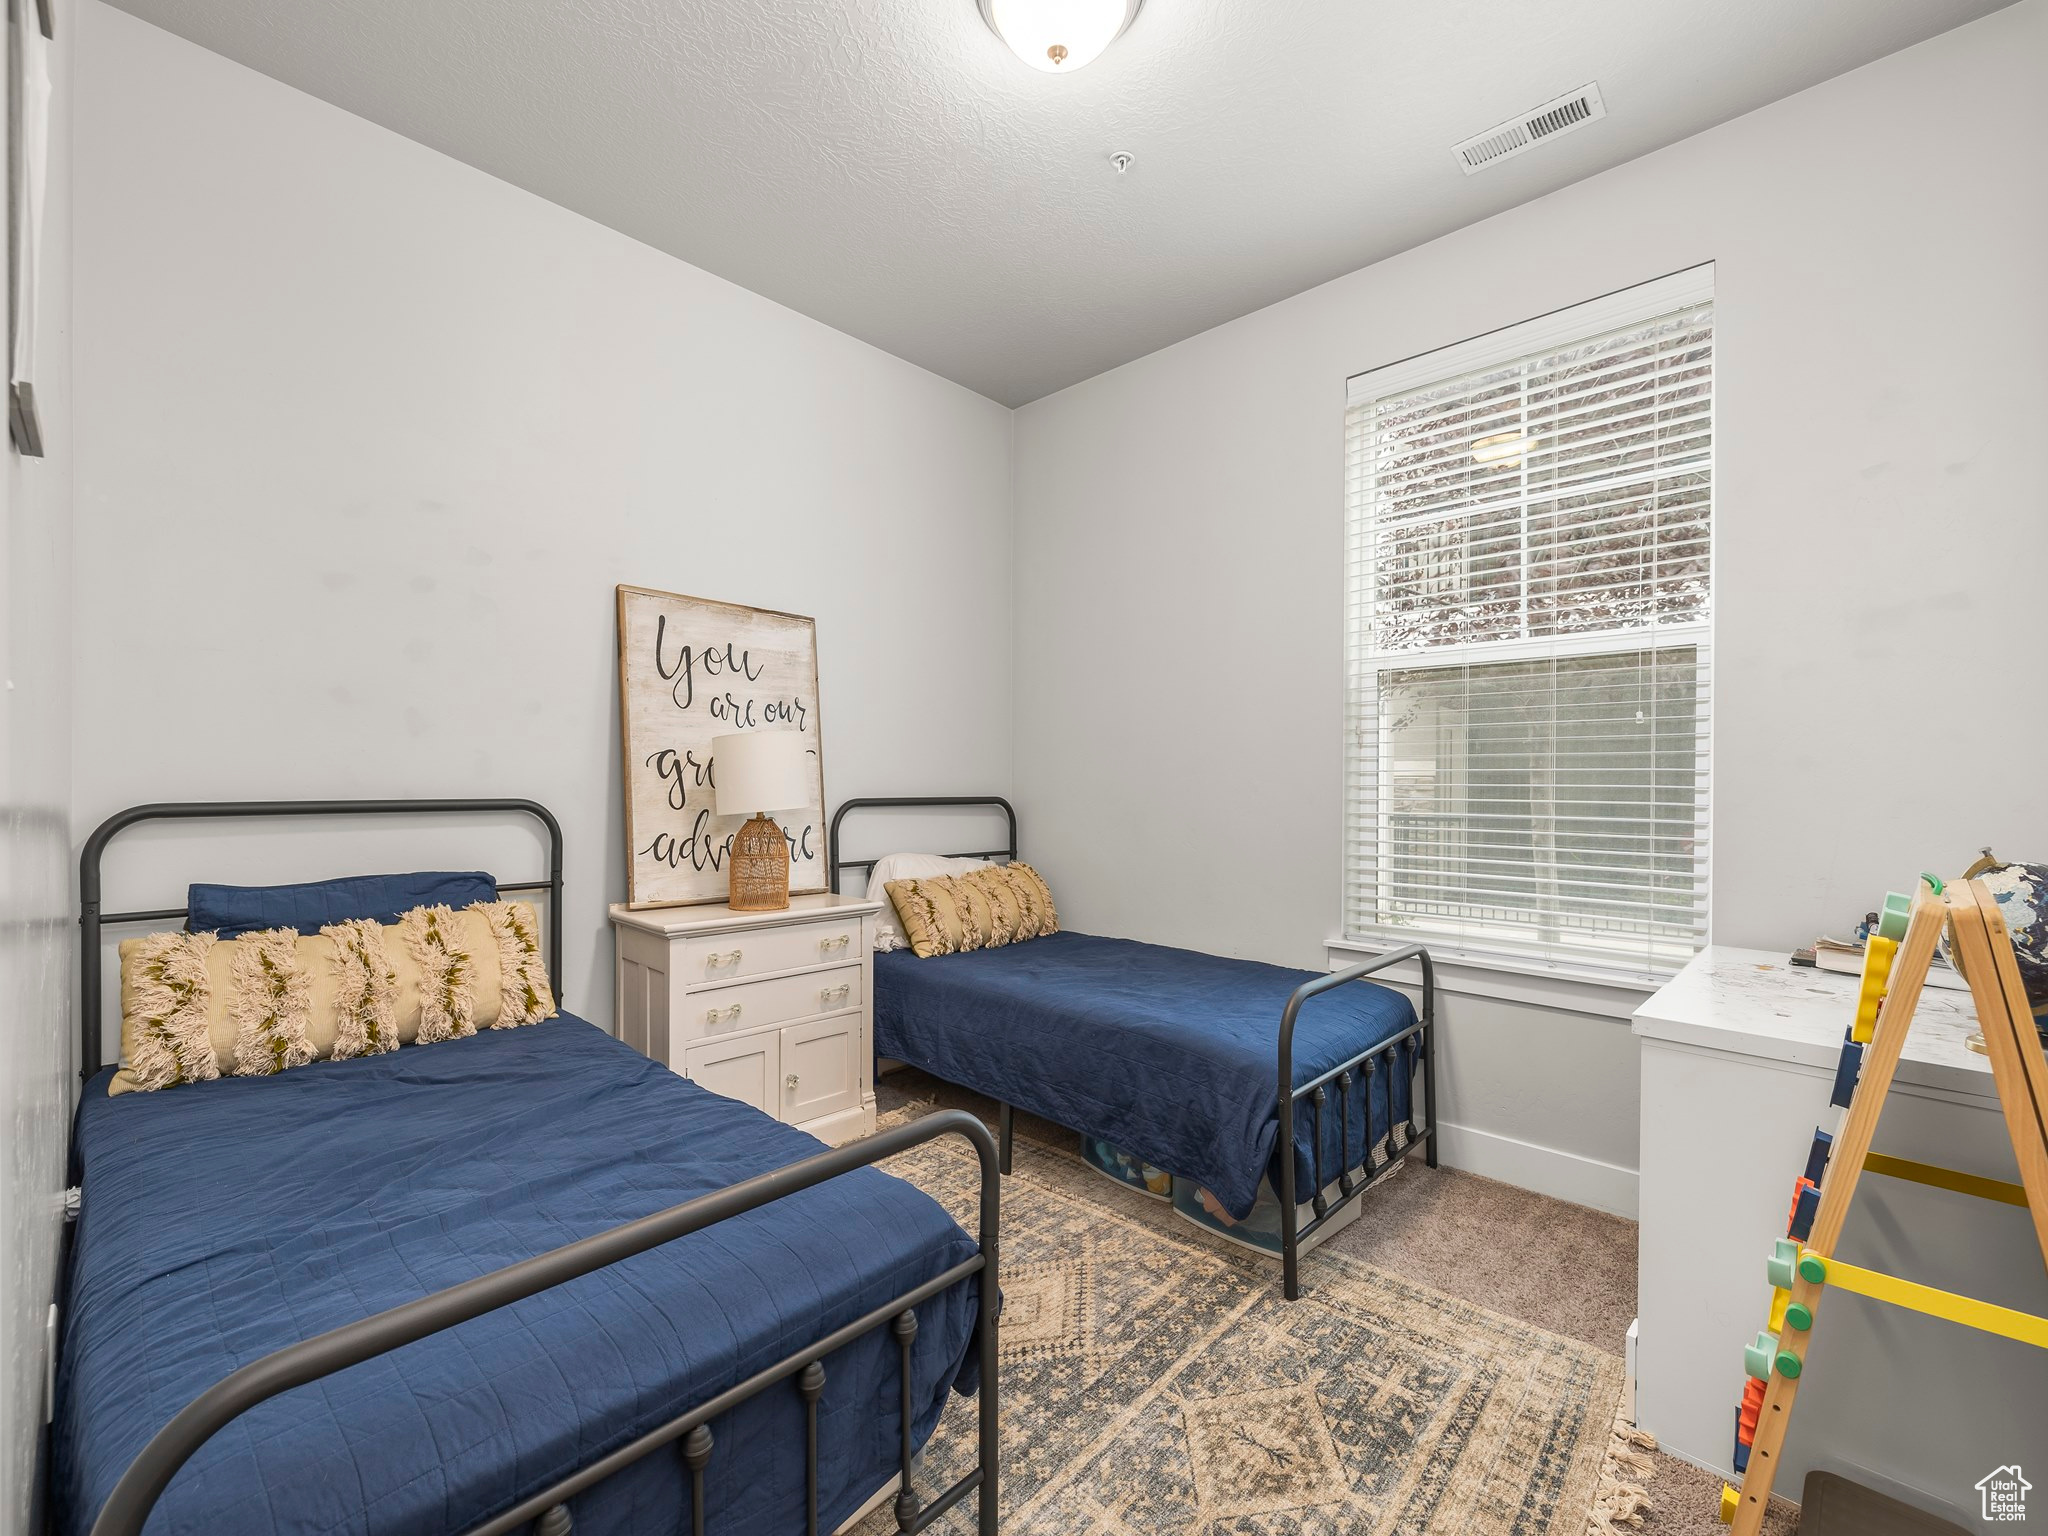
90,917
834,863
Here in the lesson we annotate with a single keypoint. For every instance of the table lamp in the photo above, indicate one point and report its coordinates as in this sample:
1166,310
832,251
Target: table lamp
753,773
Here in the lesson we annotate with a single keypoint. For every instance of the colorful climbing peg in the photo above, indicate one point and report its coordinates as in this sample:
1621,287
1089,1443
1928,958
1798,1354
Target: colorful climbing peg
1731,1501
1798,1317
1805,1207
1750,1412
1813,1269
1847,1070
1817,1155
1898,911
1747,1412
1783,1263
1788,1364
1758,1358
1878,954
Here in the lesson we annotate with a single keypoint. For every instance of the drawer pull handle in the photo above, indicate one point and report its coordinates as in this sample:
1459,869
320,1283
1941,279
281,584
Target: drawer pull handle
836,994
716,1014
714,961
792,1082
841,942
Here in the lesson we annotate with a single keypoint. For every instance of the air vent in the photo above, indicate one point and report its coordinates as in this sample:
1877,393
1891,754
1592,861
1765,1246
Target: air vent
1572,110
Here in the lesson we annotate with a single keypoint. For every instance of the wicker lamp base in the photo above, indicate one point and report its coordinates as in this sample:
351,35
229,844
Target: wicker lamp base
758,868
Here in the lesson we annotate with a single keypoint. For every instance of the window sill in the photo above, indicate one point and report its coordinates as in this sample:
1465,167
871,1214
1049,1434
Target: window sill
1532,983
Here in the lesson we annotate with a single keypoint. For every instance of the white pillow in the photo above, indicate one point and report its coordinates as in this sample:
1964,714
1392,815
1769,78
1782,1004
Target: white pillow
889,932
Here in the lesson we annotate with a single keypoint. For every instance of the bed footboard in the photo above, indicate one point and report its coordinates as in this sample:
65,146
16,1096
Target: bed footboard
129,1506
1390,1055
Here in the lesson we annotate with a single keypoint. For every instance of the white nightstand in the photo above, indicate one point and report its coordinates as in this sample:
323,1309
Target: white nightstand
770,1008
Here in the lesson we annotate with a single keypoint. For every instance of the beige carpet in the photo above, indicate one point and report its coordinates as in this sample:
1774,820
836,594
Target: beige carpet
1154,1381
1564,1268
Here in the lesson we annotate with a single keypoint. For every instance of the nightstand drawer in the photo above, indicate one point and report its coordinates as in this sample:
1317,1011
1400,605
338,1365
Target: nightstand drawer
751,1004
761,951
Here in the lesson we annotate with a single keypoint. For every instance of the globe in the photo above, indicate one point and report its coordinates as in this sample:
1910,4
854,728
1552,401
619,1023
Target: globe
2021,891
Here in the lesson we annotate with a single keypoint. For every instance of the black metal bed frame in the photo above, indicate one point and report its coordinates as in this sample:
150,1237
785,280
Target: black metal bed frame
129,1506
1413,1046
90,918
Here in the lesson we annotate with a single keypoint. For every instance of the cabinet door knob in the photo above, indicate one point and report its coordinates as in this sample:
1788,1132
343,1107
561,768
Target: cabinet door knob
791,1082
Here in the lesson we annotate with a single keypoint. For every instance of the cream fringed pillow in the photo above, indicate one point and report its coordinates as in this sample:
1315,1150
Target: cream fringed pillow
982,909
195,1008
941,915
524,993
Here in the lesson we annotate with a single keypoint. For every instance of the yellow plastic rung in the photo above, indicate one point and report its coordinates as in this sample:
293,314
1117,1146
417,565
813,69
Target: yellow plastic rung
1779,1298
1730,1502
1967,1310
1878,954
1946,1178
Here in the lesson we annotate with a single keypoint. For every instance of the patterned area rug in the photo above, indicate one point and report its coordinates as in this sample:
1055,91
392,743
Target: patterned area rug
1153,1382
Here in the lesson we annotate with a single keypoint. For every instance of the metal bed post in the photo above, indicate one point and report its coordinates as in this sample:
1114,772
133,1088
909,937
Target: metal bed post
1429,1056
1291,1229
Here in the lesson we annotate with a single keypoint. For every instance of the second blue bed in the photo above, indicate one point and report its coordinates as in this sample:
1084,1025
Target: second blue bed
1170,1054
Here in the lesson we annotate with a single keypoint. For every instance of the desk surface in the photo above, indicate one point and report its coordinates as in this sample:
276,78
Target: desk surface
1752,1002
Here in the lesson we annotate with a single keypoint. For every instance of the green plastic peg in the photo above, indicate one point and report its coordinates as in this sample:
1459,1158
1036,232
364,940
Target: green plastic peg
1813,1269
1788,1364
1756,1358
1778,1267
1798,1318
1891,922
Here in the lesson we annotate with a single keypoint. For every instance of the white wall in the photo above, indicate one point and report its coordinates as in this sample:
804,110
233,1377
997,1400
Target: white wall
1881,544
366,438
37,917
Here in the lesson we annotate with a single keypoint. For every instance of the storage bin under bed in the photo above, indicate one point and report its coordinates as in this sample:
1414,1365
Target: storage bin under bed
1260,1231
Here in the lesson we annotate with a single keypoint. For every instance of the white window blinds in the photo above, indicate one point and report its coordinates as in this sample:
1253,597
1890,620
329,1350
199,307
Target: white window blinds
1527,637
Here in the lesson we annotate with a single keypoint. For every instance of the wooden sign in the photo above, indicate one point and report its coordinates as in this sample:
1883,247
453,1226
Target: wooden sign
691,670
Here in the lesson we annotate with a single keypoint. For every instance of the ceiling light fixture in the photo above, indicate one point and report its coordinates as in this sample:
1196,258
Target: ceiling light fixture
1058,36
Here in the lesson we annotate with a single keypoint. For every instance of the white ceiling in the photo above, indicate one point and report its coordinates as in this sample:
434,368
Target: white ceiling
889,168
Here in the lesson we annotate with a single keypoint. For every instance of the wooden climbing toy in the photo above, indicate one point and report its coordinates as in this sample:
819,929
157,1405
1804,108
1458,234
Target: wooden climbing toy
1802,1266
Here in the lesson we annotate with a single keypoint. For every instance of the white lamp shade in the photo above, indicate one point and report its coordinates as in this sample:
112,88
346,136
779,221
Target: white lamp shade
761,771
1059,36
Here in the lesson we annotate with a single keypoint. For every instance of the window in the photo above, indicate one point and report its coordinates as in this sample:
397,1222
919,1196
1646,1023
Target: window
1528,637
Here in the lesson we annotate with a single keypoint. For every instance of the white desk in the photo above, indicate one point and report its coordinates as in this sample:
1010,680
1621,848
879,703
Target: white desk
1738,1059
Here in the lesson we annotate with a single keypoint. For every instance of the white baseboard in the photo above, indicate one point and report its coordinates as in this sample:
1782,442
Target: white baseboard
1561,1175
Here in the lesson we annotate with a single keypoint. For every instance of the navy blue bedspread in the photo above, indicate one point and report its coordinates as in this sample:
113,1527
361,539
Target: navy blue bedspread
1167,1053
225,1220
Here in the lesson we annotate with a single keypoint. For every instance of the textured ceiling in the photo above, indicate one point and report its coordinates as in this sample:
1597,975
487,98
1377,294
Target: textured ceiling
889,168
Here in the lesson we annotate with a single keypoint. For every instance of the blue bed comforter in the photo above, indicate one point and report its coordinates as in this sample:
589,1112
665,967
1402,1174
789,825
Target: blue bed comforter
1167,1053
224,1220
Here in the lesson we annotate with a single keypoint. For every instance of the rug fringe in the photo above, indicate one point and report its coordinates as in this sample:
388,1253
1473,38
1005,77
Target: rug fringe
1620,1502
